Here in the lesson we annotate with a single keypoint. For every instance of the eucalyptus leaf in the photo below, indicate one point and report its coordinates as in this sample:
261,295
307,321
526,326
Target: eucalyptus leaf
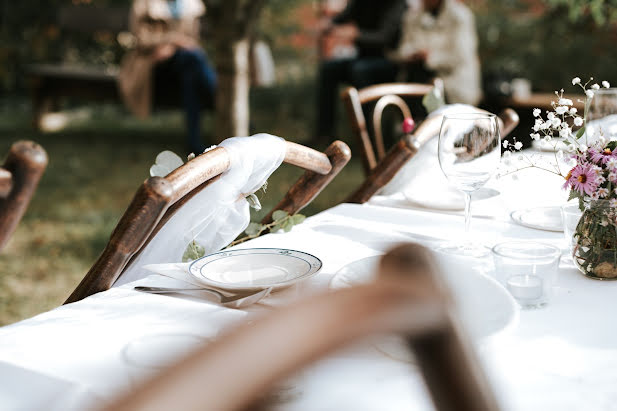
279,215
193,251
287,225
253,201
580,132
433,100
253,229
573,194
298,218
166,162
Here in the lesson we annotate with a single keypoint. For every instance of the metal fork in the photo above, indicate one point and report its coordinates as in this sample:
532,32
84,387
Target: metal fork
232,301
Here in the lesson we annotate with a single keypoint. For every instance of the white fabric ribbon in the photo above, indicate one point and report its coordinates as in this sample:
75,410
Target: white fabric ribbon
219,213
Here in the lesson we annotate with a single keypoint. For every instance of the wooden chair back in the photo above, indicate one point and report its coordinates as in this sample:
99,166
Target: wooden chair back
19,177
158,198
407,147
408,298
373,148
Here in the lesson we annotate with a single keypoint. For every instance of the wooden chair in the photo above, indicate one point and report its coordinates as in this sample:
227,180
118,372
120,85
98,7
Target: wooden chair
407,298
158,198
19,177
373,149
407,147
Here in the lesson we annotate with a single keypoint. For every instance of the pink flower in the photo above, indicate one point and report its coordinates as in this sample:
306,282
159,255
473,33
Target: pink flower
600,157
408,125
583,179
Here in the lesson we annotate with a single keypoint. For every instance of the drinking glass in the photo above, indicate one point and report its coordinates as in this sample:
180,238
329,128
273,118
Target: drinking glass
603,104
602,114
469,153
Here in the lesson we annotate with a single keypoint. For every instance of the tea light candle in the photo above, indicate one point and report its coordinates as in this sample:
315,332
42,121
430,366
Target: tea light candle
525,287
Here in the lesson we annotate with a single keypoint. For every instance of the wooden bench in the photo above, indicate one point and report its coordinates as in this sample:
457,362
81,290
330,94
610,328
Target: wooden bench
52,82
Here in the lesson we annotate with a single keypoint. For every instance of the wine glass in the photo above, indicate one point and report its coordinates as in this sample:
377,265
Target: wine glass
602,114
469,153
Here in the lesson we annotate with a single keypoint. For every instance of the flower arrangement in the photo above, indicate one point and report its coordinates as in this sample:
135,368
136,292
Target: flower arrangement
591,161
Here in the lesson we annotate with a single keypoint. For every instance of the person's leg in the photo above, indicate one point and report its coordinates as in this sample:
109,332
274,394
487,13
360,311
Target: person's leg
197,79
331,74
372,70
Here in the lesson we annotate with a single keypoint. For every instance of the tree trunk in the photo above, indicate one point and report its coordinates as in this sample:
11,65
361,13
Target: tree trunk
233,23
232,99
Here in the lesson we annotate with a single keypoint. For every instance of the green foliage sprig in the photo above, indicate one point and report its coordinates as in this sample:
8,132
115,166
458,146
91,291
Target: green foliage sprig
282,221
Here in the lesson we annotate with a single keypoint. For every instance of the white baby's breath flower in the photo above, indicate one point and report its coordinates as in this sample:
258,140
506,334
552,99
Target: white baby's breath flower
556,122
535,136
550,115
565,102
564,132
575,81
573,110
583,147
505,144
559,155
602,192
561,110
547,138
589,93
520,158
578,121
518,145
595,86
506,154
606,84
536,112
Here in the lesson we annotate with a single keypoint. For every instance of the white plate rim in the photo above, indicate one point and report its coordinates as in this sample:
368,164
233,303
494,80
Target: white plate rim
516,217
195,268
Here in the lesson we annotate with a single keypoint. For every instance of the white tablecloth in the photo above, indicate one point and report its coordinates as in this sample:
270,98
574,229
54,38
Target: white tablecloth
559,357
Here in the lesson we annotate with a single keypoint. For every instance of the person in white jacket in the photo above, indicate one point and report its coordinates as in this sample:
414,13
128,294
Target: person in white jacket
439,39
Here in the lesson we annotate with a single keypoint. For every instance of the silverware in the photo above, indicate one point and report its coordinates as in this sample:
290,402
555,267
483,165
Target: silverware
231,301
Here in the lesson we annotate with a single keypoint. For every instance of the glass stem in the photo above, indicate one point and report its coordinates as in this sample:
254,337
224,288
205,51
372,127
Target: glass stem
467,213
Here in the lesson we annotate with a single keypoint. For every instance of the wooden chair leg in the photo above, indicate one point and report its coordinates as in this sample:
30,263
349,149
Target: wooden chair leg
446,358
26,163
310,184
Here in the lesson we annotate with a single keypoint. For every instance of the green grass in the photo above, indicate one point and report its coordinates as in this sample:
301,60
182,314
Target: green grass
95,166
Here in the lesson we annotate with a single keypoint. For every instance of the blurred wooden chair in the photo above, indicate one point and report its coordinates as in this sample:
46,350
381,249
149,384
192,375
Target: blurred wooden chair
373,148
408,298
158,198
19,177
383,172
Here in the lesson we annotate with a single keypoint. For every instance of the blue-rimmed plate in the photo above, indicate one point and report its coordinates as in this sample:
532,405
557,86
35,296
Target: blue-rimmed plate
255,268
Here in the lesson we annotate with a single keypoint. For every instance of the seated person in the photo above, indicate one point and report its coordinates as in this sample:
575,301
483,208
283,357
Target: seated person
439,40
168,50
374,28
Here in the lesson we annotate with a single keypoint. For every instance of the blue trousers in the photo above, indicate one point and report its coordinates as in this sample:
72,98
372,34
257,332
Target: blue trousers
192,72
358,72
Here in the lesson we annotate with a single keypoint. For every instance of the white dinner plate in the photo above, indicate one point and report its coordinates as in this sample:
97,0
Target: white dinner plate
254,268
540,218
447,200
485,306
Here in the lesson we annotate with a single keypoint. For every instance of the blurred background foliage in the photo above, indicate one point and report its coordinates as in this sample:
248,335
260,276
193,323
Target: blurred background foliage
546,41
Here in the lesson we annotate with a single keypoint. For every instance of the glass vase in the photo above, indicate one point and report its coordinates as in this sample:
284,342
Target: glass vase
594,241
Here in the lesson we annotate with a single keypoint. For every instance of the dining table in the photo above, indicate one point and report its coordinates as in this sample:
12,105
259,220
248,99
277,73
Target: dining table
561,356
